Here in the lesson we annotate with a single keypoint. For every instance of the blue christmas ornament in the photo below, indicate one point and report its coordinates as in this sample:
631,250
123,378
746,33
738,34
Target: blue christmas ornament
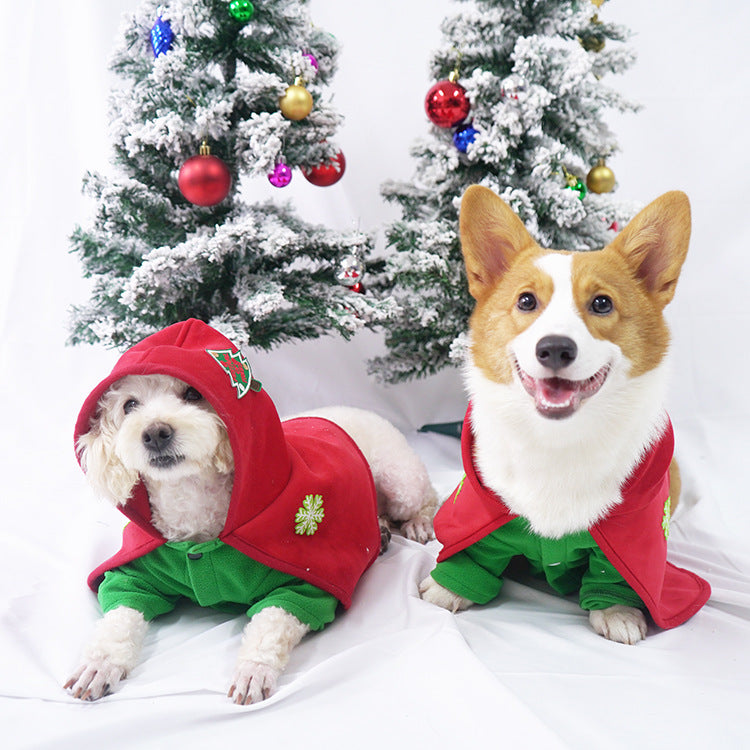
463,137
161,37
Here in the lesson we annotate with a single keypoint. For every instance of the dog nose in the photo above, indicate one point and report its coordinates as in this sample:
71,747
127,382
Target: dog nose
556,352
157,437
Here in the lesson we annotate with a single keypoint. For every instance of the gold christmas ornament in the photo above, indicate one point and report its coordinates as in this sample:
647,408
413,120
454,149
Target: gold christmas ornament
601,179
598,3
297,102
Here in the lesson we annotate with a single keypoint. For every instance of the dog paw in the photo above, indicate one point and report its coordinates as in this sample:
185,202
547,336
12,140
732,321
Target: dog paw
418,529
94,680
431,591
385,536
619,623
253,682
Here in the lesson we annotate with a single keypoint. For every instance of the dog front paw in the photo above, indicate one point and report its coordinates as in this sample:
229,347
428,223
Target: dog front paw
431,591
95,679
418,529
619,623
253,682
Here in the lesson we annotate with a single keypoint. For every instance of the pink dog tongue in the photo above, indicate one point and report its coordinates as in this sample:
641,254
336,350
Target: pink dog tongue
555,393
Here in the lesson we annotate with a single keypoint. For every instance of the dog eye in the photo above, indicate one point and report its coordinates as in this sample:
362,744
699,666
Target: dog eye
191,395
526,302
129,405
602,305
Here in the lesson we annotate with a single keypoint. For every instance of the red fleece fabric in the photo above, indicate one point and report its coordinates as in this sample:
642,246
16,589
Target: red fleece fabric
276,467
631,535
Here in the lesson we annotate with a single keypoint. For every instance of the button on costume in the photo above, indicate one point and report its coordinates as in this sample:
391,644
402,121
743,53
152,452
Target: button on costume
302,523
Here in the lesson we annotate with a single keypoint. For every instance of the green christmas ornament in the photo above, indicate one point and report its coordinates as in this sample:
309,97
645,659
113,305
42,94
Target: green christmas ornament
241,10
575,183
579,188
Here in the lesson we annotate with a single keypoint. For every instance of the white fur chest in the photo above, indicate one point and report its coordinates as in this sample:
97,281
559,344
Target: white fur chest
565,475
193,508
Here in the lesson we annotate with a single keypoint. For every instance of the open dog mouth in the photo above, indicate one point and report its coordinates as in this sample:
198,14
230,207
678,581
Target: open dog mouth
165,461
557,398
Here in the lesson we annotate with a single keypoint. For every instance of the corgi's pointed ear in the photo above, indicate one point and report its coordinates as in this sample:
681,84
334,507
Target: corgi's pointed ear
491,235
655,244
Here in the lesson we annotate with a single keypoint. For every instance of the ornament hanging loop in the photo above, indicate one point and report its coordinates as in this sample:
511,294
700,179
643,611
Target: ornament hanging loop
204,149
570,179
454,74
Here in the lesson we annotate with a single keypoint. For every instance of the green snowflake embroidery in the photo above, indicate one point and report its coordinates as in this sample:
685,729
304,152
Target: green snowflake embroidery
667,514
309,515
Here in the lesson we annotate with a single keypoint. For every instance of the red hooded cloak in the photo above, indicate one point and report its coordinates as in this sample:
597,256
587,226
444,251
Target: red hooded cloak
632,535
277,466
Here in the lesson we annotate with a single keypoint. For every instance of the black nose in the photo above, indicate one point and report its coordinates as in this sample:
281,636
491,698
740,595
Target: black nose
157,437
556,352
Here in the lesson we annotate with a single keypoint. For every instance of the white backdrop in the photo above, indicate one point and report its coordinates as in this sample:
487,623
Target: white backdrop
692,78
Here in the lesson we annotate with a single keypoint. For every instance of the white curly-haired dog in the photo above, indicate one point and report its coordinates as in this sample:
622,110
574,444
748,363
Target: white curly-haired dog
159,430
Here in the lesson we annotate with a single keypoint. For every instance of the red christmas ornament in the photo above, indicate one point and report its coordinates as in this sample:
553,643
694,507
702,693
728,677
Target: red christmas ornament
446,103
204,179
326,173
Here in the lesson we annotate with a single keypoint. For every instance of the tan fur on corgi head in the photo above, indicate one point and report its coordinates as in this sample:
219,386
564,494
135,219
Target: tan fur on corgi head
618,293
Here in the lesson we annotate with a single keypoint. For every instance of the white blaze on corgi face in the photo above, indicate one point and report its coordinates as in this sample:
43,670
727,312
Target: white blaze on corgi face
557,359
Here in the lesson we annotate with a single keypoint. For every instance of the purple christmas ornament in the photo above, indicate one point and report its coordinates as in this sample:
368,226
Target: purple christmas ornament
281,175
311,59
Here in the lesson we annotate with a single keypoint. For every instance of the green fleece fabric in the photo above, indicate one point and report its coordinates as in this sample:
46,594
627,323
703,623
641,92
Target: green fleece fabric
573,562
211,574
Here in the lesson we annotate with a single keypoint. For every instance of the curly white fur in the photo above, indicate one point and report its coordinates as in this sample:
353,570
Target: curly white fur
159,430
113,454
267,642
111,654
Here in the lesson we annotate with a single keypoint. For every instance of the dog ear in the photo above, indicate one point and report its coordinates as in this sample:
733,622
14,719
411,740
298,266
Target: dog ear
106,474
223,458
655,244
491,236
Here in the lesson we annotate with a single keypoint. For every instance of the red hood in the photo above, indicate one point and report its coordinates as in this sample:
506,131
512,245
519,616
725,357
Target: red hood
276,467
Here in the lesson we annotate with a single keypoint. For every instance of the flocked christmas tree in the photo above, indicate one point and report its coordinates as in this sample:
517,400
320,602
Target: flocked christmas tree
517,106
211,91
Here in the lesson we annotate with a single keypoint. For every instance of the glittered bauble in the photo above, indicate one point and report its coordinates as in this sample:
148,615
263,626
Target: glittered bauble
241,10
327,173
204,179
351,271
463,137
281,175
513,89
297,102
311,59
601,179
162,37
446,104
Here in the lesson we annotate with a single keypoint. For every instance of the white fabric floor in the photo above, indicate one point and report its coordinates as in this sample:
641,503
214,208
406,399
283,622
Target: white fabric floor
525,671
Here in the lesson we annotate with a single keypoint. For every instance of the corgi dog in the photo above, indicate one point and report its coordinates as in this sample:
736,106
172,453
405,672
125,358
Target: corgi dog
566,376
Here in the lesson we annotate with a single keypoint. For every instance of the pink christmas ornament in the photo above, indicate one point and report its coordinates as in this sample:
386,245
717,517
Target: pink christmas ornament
281,175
